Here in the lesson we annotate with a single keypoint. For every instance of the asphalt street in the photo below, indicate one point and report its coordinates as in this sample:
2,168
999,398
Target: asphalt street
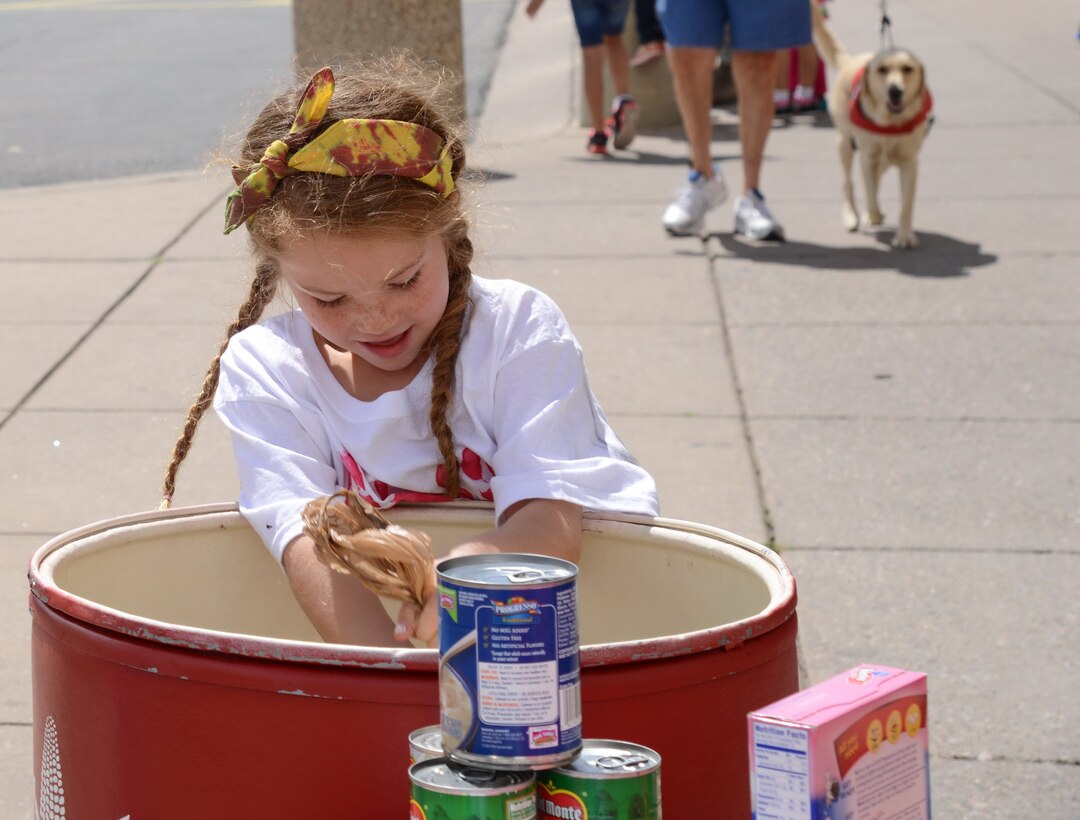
99,89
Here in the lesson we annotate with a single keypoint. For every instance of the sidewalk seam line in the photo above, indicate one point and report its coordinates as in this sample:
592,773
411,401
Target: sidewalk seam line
740,399
155,261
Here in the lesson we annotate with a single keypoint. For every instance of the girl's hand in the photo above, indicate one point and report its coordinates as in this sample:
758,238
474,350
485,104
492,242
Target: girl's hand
533,7
423,624
534,525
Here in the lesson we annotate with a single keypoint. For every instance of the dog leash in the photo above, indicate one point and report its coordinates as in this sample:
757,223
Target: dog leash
886,26
887,41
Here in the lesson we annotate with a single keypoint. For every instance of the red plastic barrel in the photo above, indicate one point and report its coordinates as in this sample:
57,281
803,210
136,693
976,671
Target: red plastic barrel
175,677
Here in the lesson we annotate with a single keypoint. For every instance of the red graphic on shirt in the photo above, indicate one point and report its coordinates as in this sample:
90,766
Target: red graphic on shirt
475,472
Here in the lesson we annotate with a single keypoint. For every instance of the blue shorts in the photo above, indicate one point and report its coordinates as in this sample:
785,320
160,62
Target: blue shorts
596,19
756,25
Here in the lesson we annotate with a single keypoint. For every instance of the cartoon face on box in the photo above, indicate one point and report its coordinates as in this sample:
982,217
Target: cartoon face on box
855,747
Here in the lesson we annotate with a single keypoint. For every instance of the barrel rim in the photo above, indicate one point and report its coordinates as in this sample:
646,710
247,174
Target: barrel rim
781,607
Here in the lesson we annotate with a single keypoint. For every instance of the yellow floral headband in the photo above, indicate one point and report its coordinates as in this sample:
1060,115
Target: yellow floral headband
347,148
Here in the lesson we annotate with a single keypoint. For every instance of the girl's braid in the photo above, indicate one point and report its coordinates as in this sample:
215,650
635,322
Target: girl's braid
445,343
263,287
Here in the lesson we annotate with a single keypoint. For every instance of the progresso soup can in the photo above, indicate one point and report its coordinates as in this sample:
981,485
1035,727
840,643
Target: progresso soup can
442,790
509,669
609,780
425,744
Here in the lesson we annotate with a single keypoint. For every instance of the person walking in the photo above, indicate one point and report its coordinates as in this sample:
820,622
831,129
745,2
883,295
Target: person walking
600,25
651,43
759,29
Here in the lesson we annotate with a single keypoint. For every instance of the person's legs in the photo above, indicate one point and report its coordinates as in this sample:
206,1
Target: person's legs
618,60
624,111
782,88
650,35
692,77
758,31
754,73
589,21
808,64
805,96
648,26
692,74
592,59
694,29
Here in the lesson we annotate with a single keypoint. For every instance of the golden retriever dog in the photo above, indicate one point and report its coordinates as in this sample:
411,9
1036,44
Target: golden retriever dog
880,106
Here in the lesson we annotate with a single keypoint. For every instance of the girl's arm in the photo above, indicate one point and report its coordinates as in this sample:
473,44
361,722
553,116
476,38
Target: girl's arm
537,526
533,7
343,610
340,607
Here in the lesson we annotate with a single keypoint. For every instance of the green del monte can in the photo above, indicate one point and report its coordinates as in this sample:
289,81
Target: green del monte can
444,790
609,780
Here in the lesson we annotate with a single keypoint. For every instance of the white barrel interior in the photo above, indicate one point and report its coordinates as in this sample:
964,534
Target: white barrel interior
206,568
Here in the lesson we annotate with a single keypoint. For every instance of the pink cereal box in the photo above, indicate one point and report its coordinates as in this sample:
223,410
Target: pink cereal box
854,747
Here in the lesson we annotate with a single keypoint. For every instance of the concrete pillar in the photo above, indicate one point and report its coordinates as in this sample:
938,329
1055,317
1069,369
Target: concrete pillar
339,32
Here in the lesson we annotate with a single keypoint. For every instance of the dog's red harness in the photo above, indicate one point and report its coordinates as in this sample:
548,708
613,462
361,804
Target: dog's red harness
858,118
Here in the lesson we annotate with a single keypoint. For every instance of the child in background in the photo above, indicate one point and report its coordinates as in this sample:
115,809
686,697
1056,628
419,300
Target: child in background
650,35
600,25
400,375
800,78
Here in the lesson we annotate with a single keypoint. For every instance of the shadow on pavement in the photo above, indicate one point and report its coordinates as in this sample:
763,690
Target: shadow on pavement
480,175
938,255
815,118
634,157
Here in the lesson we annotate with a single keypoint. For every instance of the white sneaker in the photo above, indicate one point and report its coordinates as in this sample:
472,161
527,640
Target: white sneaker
754,220
686,215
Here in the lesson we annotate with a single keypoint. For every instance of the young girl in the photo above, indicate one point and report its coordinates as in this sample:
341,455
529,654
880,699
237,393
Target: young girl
400,375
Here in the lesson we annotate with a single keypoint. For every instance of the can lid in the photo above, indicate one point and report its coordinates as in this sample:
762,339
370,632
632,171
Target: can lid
428,738
507,569
441,775
612,758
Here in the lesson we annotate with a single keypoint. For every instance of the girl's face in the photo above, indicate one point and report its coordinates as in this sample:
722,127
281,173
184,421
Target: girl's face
377,297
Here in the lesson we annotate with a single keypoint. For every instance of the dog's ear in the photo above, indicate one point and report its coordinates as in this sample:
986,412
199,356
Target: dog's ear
921,69
865,85
864,81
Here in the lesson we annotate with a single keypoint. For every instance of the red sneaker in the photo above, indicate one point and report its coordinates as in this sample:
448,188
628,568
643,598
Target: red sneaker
597,141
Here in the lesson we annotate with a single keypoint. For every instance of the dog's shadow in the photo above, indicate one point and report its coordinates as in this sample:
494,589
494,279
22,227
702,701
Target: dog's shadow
938,256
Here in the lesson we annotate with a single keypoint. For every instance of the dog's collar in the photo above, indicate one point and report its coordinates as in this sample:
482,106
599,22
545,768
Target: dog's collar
860,120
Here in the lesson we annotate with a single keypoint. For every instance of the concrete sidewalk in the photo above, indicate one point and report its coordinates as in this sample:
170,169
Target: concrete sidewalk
902,426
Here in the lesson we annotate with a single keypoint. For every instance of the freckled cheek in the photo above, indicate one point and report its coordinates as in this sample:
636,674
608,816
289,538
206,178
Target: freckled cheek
372,318
433,301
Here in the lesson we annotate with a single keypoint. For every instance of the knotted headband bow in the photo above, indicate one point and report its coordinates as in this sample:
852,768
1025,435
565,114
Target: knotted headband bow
347,148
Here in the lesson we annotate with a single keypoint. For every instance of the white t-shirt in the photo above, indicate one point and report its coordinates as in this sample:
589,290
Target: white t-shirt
525,422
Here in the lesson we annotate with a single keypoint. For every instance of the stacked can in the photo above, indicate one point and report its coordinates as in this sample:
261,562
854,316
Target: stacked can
510,702
442,790
609,780
509,671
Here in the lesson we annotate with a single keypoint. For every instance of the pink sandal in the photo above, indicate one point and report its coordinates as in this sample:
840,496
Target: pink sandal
647,52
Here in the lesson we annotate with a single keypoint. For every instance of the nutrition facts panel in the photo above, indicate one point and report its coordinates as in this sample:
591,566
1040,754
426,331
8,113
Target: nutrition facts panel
781,773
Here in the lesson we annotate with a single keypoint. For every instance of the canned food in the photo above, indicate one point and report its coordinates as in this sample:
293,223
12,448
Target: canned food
609,780
442,790
509,668
425,744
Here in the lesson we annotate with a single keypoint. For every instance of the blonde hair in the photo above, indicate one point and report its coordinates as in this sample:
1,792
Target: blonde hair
305,203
